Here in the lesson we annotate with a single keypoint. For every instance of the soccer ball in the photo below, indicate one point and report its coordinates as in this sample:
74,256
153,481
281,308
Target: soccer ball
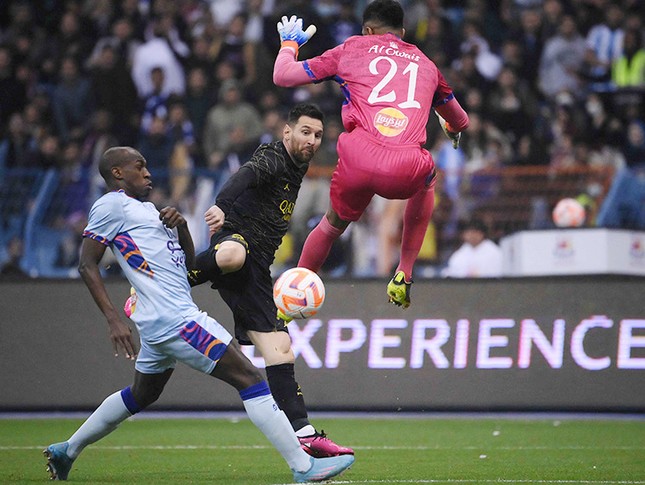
299,293
568,213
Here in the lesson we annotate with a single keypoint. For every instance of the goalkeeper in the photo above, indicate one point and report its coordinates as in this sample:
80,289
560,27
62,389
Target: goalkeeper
390,87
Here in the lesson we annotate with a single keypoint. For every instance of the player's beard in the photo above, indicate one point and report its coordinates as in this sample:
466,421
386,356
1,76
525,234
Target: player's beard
305,155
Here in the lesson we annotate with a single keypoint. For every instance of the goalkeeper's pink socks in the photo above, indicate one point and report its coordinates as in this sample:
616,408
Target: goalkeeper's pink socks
318,244
416,218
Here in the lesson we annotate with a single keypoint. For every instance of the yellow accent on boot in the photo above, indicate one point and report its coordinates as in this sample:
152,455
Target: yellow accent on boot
284,317
398,290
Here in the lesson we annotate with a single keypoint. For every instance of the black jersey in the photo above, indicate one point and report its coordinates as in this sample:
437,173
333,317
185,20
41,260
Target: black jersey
261,213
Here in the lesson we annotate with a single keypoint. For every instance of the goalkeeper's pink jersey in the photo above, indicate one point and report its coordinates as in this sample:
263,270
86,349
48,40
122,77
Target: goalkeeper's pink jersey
389,85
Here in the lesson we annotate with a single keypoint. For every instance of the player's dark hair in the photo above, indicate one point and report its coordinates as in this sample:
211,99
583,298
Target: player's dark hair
388,13
116,157
305,109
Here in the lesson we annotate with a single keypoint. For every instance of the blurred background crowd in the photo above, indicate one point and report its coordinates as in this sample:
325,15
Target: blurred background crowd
554,90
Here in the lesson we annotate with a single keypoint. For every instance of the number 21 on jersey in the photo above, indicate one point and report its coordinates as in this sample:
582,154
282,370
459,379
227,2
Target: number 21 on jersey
377,95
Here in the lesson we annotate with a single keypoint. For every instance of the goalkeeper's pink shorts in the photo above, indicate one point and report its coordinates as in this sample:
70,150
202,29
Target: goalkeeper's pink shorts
367,166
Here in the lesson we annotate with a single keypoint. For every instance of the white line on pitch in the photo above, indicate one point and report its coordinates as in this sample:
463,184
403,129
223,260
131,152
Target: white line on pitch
367,448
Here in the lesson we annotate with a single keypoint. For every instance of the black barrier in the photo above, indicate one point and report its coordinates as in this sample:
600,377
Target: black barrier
565,344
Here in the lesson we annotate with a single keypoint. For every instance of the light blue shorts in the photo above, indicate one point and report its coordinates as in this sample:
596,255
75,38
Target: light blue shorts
199,344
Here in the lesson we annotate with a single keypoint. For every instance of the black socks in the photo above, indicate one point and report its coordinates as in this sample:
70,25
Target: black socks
287,394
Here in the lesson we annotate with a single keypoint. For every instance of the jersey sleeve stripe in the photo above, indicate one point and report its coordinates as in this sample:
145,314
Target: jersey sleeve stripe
445,100
308,70
96,237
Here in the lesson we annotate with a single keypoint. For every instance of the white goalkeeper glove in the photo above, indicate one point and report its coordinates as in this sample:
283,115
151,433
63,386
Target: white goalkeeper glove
455,136
291,33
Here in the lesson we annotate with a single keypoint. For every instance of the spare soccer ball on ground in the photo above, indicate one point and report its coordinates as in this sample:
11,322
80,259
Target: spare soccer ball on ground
568,213
299,293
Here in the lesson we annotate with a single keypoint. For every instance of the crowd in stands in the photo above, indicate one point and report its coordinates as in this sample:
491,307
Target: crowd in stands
553,83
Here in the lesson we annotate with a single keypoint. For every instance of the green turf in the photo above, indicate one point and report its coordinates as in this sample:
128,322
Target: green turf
388,451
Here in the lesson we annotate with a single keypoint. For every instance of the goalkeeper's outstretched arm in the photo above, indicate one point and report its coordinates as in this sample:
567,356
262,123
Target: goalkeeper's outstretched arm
287,71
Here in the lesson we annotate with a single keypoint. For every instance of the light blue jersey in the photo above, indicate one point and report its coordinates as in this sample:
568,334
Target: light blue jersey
151,258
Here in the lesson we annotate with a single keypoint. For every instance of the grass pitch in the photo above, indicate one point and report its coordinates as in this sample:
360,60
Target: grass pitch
388,451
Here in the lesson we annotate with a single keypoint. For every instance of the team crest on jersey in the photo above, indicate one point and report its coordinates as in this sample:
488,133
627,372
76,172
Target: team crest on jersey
390,122
394,45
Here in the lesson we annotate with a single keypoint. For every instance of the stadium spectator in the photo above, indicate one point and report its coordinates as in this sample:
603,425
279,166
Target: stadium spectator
11,267
163,49
198,101
273,121
324,95
551,18
248,222
99,15
122,42
530,37
135,13
389,229
15,146
170,325
223,11
511,106
431,34
155,103
72,101
477,257
562,61
604,47
491,21
233,48
487,63
158,142
70,40
256,11
405,171
343,24
231,111
634,147
224,71
466,76
603,129
529,152
13,91
46,154
259,54
67,252
73,186
21,22
628,70
114,91
201,56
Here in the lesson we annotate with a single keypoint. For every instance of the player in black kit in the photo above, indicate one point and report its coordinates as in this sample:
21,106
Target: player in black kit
248,221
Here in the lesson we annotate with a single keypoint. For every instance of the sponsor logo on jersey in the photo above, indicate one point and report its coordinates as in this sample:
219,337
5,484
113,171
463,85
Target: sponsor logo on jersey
390,122
286,207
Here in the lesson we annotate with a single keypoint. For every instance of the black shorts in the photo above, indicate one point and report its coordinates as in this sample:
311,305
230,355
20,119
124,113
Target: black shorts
248,292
